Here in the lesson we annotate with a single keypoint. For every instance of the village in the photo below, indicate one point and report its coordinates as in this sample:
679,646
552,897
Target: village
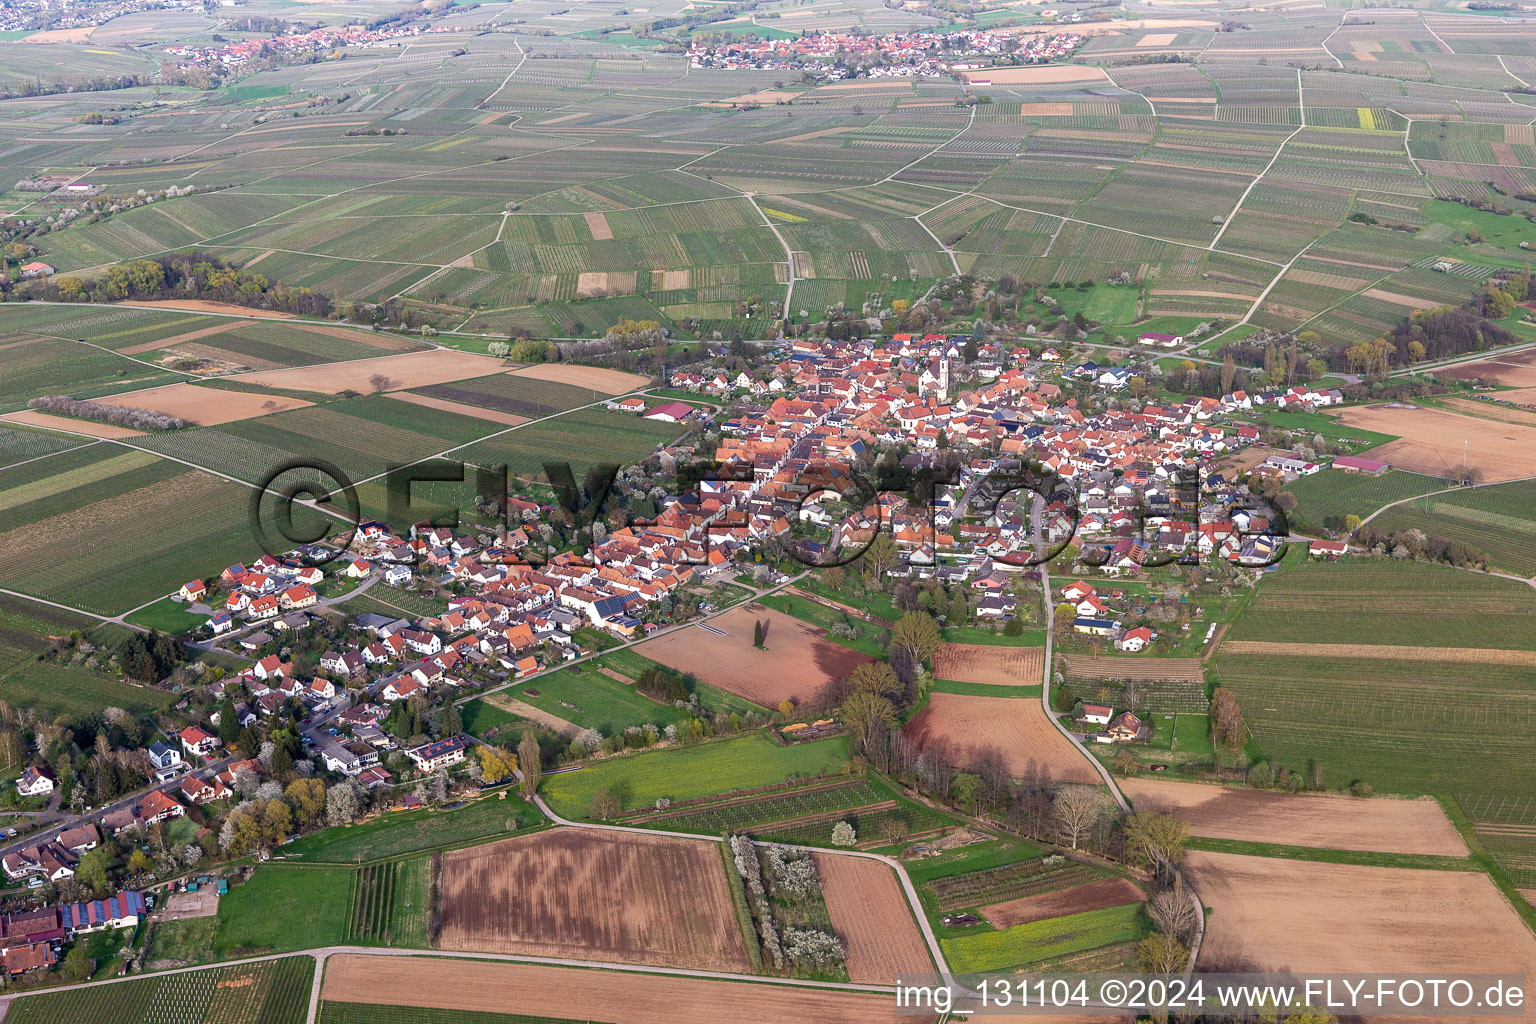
371,705
894,55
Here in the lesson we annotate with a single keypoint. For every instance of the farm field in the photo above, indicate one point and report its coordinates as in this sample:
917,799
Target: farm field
1335,493
871,915
594,378
404,832
281,908
271,992
409,370
1015,726
551,895
980,663
1429,441
391,904
795,661
202,406
1495,520
802,814
47,546
1424,698
1340,917
1025,944
1076,899
1333,822
56,689
563,993
701,769
584,696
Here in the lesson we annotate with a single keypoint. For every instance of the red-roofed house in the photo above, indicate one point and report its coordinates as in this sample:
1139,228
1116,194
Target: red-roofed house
198,742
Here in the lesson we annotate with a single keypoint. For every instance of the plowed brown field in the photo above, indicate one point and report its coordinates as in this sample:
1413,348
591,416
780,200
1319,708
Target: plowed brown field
1295,819
1017,726
593,895
1271,914
613,382
796,662
566,993
871,915
408,370
986,663
206,407
1431,441
1107,892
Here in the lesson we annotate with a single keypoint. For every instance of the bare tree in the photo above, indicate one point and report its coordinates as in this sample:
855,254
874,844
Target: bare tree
380,382
1172,911
1075,810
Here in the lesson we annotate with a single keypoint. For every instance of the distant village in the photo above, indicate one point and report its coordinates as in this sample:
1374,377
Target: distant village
837,55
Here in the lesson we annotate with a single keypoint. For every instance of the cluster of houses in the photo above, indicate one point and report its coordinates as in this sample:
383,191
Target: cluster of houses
236,53
54,858
825,405
1104,726
893,55
31,939
1094,617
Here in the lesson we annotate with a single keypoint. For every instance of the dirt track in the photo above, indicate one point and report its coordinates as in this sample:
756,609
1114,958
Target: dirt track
1477,655
1017,726
986,663
593,895
1296,819
565,993
871,915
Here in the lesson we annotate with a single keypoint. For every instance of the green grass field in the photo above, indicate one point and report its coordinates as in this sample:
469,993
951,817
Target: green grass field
1031,943
55,689
270,992
281,908
168,616
585,696
413,831
684,773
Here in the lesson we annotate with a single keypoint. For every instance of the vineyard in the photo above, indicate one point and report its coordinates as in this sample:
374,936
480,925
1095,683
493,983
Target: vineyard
1495,520
392,903
269,992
